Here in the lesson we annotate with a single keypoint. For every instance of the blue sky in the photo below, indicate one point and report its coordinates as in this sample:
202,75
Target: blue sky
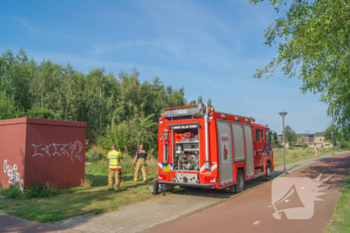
211,48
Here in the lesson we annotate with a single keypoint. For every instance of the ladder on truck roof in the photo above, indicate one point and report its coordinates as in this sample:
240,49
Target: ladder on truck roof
253,119
197,110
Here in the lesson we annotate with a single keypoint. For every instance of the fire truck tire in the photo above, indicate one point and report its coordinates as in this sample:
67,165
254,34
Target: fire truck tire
155,187
268,172
240,181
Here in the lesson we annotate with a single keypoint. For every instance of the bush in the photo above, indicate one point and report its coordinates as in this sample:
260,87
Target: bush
345,144
104,142
37,190
13,192
37,112
305,145
291,147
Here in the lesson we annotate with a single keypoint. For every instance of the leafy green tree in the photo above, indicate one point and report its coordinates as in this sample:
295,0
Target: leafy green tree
38,112
141,130
200,99
8,107
130,134
290,135
314,47
337,135
108,104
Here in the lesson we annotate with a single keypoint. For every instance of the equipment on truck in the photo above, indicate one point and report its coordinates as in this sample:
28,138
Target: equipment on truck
200,147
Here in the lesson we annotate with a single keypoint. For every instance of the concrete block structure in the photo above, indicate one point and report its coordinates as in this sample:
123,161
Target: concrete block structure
42,151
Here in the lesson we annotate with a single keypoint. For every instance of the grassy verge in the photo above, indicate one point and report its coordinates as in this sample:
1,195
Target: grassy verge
341,218
81,201
296,155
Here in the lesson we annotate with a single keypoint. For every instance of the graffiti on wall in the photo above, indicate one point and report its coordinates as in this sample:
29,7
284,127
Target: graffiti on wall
14,176
60,149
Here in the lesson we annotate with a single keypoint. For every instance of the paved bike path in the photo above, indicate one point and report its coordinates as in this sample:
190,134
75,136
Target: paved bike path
253,211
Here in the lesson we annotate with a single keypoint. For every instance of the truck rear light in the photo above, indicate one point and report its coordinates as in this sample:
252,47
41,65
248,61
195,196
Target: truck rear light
210,179
273,163
162,177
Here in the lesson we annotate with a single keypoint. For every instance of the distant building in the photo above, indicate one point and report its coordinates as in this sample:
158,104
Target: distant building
302,137
311,139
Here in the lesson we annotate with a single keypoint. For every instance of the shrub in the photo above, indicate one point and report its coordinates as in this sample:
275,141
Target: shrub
291,147
37,190
345,144
13,192
305,145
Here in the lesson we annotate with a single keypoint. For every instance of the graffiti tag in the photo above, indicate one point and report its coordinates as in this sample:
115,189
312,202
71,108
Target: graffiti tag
14,176
61,149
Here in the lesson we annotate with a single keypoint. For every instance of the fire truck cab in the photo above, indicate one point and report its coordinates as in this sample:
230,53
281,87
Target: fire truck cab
200,147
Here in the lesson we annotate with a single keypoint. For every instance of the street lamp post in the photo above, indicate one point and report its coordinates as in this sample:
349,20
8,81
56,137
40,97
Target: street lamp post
332,142
283,114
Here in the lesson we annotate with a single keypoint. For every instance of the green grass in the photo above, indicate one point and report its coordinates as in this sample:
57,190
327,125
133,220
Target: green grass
341,218
81,201
297,154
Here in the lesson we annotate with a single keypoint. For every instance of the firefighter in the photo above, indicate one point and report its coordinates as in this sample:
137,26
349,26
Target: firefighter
116,165
141,157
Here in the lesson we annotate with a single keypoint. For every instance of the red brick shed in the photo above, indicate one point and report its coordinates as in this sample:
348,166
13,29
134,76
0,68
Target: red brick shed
43,150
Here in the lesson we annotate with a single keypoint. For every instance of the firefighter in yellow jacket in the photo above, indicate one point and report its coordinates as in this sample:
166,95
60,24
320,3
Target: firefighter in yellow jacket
141,156
116,164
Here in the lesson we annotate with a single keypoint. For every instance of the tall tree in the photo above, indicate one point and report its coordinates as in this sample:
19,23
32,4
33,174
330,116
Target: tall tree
8,107
315,48
337,135
290,135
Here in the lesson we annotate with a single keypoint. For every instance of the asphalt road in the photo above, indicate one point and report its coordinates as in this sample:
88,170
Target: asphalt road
253,211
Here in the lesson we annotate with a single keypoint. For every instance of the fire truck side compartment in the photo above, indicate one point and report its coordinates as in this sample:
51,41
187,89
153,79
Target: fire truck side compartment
226,165
249,150
186,154
238,143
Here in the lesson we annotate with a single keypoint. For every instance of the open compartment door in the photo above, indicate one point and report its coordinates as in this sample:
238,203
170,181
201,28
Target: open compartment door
225,152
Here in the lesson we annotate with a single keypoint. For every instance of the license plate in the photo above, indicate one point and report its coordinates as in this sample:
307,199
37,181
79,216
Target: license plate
166,169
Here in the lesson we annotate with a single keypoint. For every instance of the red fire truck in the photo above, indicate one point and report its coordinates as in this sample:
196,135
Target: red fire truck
200,147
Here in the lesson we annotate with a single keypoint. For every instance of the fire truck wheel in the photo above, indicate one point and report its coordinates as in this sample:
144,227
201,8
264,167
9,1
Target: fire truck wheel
155,187
240,181
268,172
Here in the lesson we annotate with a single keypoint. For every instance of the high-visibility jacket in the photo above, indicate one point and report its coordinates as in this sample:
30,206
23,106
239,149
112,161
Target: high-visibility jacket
115,160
